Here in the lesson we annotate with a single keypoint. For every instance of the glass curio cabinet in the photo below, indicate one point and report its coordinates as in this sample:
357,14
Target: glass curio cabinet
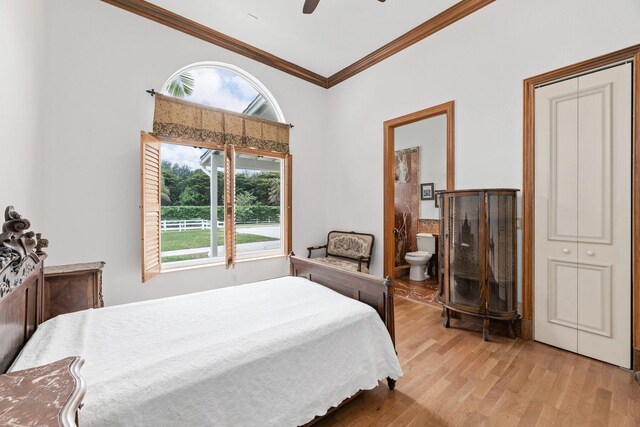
478,267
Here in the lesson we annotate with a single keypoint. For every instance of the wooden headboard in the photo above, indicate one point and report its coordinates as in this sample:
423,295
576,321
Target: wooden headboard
21,285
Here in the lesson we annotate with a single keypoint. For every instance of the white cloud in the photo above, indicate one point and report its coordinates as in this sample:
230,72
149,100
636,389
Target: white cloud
222,89
182,155
246,89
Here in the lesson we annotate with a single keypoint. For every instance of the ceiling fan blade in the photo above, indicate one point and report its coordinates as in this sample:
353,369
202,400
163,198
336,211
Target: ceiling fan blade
381,1
310,6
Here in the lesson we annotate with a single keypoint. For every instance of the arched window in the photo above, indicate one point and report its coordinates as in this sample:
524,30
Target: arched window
225,86
208,204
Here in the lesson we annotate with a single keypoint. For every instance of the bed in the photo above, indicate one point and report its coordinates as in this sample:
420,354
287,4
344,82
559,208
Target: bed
276,352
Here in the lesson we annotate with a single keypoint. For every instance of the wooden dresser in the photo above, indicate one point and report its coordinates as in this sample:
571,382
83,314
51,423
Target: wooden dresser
74,287
45,396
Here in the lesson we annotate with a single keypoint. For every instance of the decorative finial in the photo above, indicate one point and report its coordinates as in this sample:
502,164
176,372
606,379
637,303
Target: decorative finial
42,244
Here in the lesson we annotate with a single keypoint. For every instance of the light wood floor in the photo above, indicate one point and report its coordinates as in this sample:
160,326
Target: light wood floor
453,378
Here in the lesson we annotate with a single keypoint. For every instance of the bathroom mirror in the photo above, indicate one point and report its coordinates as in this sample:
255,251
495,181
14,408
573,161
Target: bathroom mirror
419,149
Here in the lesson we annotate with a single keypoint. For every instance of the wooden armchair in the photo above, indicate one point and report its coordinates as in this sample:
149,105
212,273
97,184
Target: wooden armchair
347,250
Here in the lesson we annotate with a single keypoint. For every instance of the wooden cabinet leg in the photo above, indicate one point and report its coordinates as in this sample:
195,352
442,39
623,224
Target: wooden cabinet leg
447,316
512,331
485,329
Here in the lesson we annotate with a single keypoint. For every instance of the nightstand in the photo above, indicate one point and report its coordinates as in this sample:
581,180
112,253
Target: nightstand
48,395
74,287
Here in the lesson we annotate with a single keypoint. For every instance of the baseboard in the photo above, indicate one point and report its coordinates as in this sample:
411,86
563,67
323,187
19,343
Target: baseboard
526,326
635,365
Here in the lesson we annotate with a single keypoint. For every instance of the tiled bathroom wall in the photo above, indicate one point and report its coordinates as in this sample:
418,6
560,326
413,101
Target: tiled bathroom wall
407,201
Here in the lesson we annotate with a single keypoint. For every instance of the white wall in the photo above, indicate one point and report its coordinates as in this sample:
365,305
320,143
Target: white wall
431,136
480,62
100,60
22,58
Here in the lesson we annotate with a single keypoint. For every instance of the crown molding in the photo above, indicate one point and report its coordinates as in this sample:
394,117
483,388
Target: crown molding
192,28
422,31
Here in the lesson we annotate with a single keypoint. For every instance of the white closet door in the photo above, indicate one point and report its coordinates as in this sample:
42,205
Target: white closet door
604,215
556,214
583,215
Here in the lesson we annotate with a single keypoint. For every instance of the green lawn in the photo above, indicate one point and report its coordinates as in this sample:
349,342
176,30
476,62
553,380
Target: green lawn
177,258
174,240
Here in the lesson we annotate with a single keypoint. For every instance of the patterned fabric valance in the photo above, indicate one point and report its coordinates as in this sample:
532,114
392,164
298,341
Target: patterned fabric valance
182,119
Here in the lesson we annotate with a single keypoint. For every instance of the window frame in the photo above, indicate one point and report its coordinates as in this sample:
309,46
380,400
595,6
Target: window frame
285,214
151,176
257,85
248,256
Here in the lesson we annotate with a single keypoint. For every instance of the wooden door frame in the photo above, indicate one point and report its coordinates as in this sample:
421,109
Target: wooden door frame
447,109
528,204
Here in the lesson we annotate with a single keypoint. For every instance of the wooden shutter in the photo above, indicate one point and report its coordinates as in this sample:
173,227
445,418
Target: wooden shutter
229,206
150,205
285,215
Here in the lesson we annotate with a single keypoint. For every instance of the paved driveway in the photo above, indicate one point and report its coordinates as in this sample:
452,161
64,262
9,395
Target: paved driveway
261,230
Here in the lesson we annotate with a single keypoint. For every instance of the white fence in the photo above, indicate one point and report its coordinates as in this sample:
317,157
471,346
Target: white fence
205,224
260,221
187,224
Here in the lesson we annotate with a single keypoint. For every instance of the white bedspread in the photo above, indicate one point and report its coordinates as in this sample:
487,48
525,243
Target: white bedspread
277,352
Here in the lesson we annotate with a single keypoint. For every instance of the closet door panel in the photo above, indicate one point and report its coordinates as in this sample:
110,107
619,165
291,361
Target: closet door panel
562,166
556,224
604,219
594,161
594,297
561,304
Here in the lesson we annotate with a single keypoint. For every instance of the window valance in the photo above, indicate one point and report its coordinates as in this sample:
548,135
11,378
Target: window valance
177,118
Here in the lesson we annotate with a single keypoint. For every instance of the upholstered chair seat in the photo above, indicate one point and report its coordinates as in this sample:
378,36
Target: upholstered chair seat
346,250
342,264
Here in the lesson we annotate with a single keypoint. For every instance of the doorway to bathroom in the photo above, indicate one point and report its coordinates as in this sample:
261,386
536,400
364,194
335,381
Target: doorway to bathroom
418,162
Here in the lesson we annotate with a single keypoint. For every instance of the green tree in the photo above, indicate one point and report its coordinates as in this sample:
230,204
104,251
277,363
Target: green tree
171,186
245,199
220,188
183,171
266,188
175,176
274,191
182,85
165,196
244,183
244,202
197,190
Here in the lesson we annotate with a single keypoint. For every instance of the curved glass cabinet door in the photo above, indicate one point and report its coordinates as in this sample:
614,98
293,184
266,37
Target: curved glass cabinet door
501,235
480,276
464,250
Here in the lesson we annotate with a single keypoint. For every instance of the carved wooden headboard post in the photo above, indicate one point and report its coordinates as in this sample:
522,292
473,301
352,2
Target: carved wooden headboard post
389,308
21,284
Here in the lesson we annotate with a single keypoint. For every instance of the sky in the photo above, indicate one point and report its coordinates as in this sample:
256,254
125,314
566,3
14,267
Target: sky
215,87
182,154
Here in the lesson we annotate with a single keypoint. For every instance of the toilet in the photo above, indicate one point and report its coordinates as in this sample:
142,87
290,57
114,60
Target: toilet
418,260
